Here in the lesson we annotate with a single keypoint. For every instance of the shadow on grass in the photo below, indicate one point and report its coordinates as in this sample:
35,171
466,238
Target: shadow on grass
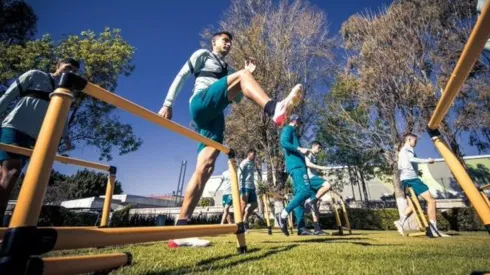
320,240
370,244
278,232
205,265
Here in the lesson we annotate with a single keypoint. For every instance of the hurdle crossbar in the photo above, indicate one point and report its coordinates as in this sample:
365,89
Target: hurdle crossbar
83,163
90,237
471,52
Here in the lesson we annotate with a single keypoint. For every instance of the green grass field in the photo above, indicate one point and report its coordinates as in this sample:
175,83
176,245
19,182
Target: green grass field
364,252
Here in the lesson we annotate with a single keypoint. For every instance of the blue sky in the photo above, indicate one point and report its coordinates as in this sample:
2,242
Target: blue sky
165,33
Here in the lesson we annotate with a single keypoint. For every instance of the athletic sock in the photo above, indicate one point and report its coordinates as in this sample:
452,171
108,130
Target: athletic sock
317,227
270,108
403,219
434,224
284,214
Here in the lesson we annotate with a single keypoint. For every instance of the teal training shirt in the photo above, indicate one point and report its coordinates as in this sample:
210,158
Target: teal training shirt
28,114
290,143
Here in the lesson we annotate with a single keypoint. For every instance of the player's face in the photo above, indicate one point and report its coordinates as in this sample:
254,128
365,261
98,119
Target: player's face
251,156
316,149
412,141
222,44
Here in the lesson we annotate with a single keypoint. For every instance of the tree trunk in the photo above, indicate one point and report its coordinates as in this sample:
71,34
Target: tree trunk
363,183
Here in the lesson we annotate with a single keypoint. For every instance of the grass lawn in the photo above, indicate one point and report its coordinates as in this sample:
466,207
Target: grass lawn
364,252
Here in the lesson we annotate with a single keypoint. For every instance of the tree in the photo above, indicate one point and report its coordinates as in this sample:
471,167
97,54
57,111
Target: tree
290,43
392,59
56,192
87,183
17,22
106,56
343,125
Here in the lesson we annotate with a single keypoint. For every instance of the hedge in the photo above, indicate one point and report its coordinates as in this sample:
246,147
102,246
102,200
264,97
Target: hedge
457,219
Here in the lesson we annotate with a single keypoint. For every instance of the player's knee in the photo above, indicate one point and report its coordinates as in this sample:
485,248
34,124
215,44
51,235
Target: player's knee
244,74
10,174
207,166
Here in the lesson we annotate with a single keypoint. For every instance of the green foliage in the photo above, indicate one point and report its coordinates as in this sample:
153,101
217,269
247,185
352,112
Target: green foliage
206,202
60,216
105,57
87,183
457,219
262,187
82,184
17,21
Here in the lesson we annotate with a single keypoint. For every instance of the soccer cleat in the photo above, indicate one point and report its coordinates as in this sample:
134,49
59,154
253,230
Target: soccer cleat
284,107
436,233
304,232
284,225
399,227
319,233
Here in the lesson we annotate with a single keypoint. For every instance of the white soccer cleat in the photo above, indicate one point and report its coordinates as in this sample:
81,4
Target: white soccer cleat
284,107
437,233
399,227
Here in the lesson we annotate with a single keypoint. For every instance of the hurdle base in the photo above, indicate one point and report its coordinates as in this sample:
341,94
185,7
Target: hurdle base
242,249
417,234
21,265
36,240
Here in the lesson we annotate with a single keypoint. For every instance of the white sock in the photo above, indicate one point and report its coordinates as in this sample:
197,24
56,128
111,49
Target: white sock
284,214
433,223
403,219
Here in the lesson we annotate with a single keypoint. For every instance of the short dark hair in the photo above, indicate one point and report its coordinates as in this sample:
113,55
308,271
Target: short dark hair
251,151
71,61
221,33
316,142
409,135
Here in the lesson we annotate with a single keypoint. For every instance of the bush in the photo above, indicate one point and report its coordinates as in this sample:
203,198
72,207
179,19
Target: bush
60,216
457,219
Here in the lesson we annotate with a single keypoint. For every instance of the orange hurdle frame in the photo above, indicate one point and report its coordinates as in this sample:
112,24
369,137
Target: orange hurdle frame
23,241
476,42
111,178
338,220
267,213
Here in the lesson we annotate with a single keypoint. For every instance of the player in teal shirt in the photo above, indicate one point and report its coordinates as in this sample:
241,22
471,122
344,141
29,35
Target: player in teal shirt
296,168
22,125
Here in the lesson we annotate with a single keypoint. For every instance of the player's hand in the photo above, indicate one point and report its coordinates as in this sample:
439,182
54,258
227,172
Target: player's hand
250,64
303,151
324,168
165,112
430,160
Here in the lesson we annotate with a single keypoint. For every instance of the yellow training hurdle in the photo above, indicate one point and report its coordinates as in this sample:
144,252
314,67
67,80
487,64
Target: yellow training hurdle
111,179
476,42
23,241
